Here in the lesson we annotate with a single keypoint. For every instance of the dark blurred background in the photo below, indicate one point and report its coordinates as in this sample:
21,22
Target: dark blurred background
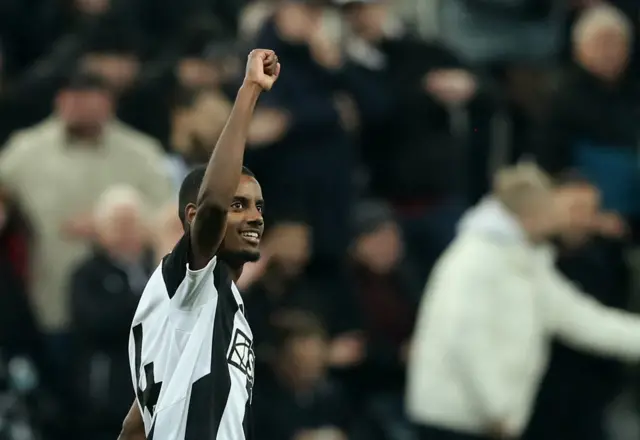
387,121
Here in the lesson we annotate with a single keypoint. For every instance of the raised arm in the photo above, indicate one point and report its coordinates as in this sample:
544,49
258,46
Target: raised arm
585,324
225,165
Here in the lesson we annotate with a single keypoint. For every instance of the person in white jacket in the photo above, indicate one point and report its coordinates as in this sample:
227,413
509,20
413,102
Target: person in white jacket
491,308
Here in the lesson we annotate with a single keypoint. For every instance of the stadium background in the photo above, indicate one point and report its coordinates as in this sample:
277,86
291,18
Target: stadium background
386,123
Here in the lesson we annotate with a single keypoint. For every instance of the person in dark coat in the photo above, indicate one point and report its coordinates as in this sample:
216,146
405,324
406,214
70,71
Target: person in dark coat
105,290
296,400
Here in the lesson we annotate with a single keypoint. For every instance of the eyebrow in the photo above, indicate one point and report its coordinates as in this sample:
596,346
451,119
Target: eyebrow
246,200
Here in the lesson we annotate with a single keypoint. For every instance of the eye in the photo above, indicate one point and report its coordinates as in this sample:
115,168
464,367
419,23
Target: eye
260,208
236,205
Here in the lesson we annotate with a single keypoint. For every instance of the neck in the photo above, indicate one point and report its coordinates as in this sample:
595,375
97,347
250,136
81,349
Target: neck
237,273
235,266
83,134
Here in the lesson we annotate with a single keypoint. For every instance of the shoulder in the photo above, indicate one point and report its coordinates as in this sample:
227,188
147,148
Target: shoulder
475,254
175,264
187,285
24,143
127,136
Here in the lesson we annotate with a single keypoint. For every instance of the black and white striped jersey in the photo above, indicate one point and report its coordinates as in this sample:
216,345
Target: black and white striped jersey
191,353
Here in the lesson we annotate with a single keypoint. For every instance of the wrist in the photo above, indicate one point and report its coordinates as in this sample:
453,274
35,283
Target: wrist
251,88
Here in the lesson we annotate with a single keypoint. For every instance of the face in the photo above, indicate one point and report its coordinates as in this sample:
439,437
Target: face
298,21
197,73
307,357
85,109
367,20
381,250
245,225
605,53
122,232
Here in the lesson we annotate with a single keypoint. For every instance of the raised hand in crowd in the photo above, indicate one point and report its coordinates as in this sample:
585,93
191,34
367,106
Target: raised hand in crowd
610,225
268,126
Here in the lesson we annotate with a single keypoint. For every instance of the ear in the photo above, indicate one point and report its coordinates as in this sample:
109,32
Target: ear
190,212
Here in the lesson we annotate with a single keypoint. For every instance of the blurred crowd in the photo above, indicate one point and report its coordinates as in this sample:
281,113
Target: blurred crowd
387,122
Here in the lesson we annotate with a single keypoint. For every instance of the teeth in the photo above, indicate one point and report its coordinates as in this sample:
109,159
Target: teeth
250,234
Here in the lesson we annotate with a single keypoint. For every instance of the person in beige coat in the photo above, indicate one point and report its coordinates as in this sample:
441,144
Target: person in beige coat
57,169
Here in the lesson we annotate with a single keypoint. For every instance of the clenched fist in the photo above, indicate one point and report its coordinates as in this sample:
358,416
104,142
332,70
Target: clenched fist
263,68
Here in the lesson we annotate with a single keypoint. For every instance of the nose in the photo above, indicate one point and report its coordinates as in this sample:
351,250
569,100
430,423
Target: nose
255,219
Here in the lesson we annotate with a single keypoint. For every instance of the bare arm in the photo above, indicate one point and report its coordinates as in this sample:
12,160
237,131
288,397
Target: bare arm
133,426
225,165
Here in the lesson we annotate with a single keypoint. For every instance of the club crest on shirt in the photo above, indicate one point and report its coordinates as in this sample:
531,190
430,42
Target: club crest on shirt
242,357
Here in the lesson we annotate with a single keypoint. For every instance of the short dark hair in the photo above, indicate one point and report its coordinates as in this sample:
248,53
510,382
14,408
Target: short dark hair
191,187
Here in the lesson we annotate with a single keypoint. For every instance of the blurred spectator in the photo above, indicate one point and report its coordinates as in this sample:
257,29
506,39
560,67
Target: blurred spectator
479,353
279,281
105,289
578,387
414,150
253,17
386,288
519,43
112,53
57,170
592,125
298,401
197,121
301,131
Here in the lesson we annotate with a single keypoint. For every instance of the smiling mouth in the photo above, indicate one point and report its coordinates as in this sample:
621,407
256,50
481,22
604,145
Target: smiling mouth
251,237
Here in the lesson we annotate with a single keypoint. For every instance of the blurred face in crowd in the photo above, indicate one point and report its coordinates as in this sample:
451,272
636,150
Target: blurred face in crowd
542,215
367,19
381,250
119,71
121,231
305,358
298,21
604,52
85,110
194,73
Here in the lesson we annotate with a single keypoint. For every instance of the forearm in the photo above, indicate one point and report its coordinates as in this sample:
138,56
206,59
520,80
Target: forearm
225,165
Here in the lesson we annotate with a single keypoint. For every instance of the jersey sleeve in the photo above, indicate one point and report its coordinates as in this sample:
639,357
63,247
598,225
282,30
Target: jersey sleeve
187,288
